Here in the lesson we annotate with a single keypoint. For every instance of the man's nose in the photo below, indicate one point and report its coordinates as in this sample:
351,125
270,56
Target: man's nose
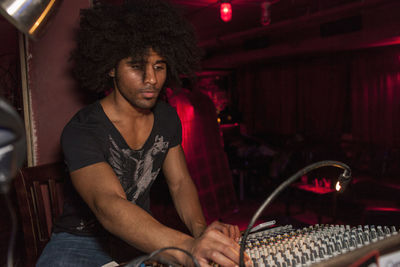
150,76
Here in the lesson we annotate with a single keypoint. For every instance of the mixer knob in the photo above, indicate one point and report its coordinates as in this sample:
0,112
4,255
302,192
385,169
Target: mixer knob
329,251
359,241
352,244
374,236
394,231
366,238
312,258
321,254
345,247
315,254
303,260
381,235
338,247
387,231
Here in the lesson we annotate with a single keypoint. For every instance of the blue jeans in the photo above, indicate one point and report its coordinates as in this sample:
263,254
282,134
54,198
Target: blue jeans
64,250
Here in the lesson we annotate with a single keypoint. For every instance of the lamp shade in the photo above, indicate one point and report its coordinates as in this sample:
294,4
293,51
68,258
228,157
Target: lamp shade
29,16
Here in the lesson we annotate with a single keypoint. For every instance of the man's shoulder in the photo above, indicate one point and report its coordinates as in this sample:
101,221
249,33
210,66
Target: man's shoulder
88,118
88,115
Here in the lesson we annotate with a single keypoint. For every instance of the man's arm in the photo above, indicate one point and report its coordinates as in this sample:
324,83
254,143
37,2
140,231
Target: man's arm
102,191
183,191
185,197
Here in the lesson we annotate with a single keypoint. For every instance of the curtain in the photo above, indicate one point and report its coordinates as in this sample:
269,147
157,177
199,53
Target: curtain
267,98
325,96
322,85
375,83
305,96
205,156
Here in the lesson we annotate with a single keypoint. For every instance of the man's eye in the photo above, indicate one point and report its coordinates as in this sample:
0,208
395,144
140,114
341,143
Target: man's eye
136,67
159,67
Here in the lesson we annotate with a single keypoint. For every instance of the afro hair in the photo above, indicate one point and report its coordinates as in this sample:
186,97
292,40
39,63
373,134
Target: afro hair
109,33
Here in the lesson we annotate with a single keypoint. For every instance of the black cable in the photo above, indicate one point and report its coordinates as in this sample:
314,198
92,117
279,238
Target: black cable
345,177
138,261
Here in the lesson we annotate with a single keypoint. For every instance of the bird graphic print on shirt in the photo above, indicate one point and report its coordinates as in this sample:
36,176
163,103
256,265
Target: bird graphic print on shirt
134,168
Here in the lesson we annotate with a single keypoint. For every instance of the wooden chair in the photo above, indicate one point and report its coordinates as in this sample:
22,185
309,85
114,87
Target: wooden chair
40,201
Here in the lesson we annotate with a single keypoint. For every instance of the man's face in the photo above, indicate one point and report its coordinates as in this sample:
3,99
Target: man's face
140,82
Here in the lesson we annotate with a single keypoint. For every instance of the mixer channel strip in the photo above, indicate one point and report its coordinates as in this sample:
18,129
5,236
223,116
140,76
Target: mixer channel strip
284,246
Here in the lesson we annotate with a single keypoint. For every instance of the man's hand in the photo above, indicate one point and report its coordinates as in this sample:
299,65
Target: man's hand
218,244
229,230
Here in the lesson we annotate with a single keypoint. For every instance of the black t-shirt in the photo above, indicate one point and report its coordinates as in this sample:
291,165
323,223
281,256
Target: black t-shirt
90,137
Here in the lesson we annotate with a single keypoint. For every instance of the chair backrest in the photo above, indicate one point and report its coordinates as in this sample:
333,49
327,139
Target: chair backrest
40,200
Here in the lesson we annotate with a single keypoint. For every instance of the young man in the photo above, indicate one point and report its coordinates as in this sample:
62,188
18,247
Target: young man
115,147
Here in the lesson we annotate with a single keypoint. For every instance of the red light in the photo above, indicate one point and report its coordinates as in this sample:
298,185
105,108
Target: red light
226,11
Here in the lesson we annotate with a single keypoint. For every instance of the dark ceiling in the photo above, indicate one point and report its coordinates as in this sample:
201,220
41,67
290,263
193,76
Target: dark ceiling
204,14
296,27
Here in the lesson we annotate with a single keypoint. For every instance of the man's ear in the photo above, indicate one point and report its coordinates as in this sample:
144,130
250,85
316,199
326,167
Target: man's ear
111,73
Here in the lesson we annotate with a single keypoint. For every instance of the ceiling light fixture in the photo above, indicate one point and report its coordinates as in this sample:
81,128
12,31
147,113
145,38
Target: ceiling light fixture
265,12
265,15
226,10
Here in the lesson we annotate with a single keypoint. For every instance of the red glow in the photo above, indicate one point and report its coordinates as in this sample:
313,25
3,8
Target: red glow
186,114
314,189
385,42
229,125
226,12
377,208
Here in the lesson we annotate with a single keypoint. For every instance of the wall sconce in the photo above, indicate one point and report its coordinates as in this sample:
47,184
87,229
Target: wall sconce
226,10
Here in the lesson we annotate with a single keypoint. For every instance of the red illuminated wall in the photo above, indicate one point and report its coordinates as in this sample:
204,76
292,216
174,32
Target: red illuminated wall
205,156
52,89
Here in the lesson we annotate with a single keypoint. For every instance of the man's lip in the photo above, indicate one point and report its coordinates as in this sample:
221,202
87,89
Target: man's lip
149,94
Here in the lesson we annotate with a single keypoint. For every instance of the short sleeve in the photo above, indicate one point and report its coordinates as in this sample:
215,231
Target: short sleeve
81,145
177,136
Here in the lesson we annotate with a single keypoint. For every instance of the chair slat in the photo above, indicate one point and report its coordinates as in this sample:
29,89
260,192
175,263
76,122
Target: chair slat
53,198
40,211
39,195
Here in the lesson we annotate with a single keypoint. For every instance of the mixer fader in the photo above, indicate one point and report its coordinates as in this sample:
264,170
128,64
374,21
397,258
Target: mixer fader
286,246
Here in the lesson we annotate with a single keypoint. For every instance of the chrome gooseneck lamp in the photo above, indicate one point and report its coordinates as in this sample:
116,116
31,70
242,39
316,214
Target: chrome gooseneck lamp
340,186
29,16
